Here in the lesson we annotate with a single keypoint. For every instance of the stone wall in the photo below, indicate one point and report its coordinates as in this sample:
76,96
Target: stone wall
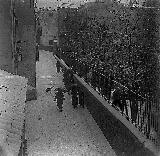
124,138
27,34
5,36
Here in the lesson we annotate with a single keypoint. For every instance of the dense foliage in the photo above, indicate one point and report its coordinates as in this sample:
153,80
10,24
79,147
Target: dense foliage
117,38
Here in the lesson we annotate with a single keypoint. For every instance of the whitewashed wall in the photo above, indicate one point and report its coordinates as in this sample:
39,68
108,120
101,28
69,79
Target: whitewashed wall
12,103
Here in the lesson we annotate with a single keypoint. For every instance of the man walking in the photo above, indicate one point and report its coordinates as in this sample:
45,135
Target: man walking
81,97
74,93
59,97
58,66
68,79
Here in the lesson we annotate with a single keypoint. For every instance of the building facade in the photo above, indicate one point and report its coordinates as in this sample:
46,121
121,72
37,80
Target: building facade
48,22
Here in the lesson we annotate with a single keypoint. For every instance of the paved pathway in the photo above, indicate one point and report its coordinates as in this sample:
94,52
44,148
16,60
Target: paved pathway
53,133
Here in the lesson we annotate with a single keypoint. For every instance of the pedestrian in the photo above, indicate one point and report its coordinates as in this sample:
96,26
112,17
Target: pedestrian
81,97
116,99
59,97
133,106
74,93
68,79
58,65
65,79
119,96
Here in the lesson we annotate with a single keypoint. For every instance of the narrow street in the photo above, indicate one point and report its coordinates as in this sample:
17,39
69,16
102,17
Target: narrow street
53,133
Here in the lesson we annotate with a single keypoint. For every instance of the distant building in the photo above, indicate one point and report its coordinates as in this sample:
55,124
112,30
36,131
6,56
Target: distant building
49,26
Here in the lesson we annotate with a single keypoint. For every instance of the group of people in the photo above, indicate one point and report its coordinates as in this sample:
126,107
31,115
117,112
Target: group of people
71,87
75,90
117,97
105,86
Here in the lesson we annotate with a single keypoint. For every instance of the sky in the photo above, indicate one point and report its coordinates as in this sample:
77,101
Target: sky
54,3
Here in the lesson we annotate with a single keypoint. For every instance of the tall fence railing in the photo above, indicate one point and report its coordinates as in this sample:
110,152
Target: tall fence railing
141,111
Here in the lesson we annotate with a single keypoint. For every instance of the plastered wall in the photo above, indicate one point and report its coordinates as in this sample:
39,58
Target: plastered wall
5,36
26,33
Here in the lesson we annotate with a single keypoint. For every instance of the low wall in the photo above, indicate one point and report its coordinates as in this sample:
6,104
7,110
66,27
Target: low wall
124,138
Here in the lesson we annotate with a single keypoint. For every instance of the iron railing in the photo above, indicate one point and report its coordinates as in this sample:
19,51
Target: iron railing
141,111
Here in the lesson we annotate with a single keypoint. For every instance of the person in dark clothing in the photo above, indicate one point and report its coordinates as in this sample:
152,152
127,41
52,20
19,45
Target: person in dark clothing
133,106
68,79
119,99
58,65
81,97
65,78
60,97
71,79
116,99
74,93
